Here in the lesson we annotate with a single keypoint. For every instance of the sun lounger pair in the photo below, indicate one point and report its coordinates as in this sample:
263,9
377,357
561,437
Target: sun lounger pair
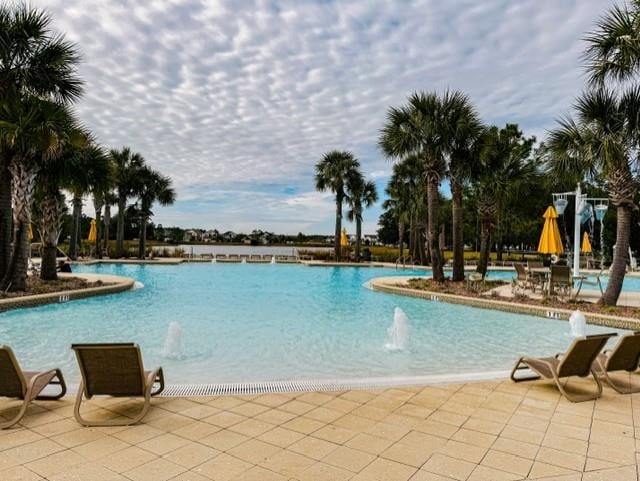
585,357
107,369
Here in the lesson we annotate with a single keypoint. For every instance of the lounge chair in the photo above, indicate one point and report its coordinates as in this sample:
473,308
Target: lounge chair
114,370
25,385
524,280
578,360
624,357
561,281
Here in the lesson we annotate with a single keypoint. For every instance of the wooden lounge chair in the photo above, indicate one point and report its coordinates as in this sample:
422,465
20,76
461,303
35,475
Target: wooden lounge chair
25,385
561,281
624,357
114,370
577,361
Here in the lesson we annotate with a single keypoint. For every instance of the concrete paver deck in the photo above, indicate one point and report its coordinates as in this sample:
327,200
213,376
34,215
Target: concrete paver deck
478,431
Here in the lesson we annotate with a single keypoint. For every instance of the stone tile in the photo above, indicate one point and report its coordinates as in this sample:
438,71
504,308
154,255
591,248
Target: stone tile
20,473
316,398
191,455
259,474
474,438
334,434
385,470
297,407
224,440
271,400
303,425
163,444
156,470
449,467
626,473
485,473
466,452
252,427
312,447
507,462
563,459
138,434
254,451
281,437
517,448
325,472
32,451
249,409
288,463
224,419
324,414
56,463
369,443
275,417
223,468
349,459
127,459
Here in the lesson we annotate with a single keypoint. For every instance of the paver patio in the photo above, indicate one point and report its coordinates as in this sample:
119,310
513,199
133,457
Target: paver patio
479,431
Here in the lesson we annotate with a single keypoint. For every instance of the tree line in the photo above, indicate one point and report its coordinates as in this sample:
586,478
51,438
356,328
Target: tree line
46,153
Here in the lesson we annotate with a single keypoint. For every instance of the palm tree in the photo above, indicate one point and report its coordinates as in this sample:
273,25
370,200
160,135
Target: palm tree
332,174
421,127
78,161
33,61
126,169
361,194
503,171
36,131
154,187
109,198
601,141
465,132
614,47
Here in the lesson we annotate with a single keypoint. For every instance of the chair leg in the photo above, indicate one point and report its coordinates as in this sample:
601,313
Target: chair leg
621,387
576,398
111,422
18,417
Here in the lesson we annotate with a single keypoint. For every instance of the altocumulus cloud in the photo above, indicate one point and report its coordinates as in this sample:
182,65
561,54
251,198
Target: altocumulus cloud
236,100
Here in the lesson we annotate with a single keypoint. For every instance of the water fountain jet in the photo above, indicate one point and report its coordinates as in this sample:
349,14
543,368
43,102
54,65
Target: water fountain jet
173,348
398,332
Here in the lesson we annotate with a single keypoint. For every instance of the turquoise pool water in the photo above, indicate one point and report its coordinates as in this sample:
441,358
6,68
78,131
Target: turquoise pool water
252,322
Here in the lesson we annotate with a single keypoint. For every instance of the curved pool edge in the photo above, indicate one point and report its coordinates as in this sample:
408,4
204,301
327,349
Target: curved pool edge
116,285
389,285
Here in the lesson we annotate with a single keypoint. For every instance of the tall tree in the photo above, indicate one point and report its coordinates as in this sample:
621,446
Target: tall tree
613,48
127,166
109,198
504,169
421,127
601,141
361,194
332,174
154,187
36,131
34,60
464,137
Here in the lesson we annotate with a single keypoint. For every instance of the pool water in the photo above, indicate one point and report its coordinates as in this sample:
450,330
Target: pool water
262,322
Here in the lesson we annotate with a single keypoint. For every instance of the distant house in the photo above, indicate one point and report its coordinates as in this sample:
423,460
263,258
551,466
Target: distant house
229,236
211,235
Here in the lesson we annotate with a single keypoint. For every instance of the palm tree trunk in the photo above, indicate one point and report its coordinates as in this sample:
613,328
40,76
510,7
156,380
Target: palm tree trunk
5,215
485,246
23,179
412,232
107,226
142,237
432,227
620,256
358,236
50,232
401,239
336,241
122,203
76,216
97,205
458,241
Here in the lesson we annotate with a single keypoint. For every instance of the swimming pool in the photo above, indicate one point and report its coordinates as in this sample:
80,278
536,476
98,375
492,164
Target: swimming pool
263,322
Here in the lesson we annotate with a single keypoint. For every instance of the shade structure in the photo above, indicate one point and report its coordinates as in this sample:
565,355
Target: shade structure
550,241
93,232
344,240
30,232
586,244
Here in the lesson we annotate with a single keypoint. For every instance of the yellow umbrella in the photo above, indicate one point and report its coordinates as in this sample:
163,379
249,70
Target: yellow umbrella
550,242
93,232
30,232
344,240
586,244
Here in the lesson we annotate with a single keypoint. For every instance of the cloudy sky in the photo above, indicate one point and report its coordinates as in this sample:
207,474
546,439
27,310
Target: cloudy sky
237,100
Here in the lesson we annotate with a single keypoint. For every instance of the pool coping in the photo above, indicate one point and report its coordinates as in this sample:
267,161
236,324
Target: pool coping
383,284
116,285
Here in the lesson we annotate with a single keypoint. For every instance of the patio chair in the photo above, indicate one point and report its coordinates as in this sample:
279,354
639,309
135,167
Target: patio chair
522,281
25,385
578,360
114,370
625,356
561,280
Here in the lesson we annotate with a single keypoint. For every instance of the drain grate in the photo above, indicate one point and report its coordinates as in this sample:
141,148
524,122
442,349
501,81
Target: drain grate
250,388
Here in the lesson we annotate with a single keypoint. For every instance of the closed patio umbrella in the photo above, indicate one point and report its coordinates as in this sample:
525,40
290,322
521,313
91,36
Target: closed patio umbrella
30,232
93,232
344,240
586,244
550,242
